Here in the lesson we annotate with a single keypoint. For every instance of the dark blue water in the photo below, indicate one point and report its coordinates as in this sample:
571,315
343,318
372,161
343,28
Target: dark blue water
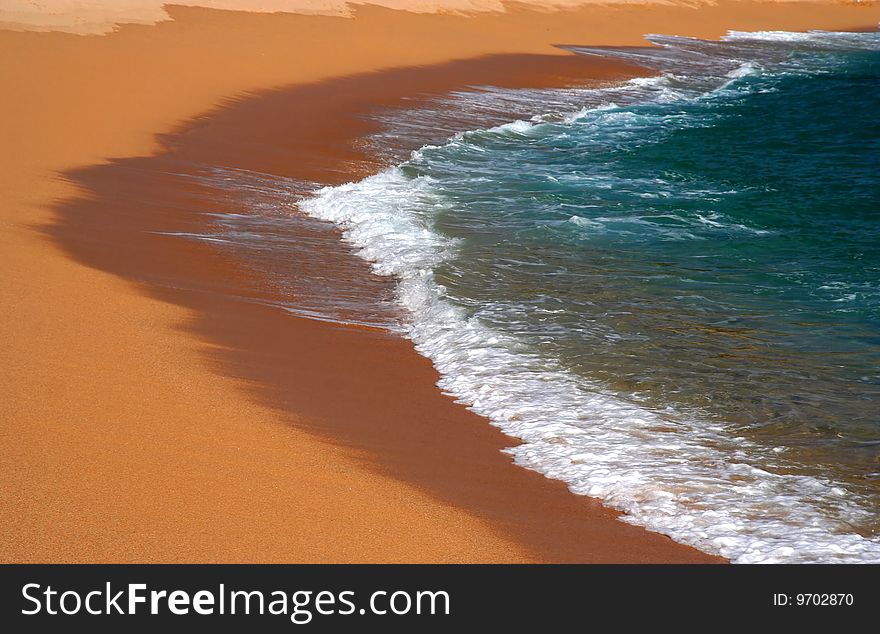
672,294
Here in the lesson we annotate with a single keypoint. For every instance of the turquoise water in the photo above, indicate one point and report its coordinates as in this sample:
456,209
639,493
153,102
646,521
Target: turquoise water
669,289
718,253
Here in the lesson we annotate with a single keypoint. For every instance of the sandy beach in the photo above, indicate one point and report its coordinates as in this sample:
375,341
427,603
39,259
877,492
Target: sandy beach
149,414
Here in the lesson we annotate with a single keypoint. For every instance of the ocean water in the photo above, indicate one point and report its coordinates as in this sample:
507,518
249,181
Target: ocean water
669,288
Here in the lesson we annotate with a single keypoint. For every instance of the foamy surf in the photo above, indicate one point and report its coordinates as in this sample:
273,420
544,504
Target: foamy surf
665,473
693,478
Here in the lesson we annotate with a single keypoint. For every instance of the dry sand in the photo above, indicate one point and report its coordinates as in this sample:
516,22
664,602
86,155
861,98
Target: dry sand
102,16
140,425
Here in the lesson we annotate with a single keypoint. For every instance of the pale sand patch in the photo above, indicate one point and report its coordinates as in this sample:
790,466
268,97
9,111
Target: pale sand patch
101,16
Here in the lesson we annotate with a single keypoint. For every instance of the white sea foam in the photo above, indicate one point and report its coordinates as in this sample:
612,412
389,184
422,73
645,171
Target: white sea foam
825,39
694,480
686,478
519,126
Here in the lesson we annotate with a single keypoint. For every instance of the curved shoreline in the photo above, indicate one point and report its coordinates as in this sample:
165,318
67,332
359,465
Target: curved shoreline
143,430
365,390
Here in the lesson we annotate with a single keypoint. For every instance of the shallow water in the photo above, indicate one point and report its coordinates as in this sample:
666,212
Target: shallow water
670,288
